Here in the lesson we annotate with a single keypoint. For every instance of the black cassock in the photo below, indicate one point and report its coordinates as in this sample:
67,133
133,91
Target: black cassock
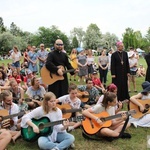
54,59
147,58
120,68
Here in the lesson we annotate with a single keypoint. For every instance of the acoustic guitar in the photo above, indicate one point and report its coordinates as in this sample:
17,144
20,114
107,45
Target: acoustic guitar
6,119
45,127
139,114
90,126
67,110
49,78
83,96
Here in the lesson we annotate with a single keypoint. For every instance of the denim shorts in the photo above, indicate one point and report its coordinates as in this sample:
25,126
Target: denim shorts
16,64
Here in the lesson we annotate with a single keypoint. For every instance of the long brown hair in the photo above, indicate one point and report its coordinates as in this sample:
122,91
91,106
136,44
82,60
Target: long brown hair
108,97
47,97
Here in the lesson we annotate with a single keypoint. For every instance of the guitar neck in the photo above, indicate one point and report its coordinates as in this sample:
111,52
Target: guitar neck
70,110
11,116
70,70
50,124
113,117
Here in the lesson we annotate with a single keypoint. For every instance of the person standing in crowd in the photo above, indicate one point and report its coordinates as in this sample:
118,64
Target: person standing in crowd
82,65
133,69
90,62
103,62
42,56
120,71
16,57
73,61
147,58
56,59
33,58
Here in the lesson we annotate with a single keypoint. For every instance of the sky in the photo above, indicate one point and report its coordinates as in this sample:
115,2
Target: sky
112,16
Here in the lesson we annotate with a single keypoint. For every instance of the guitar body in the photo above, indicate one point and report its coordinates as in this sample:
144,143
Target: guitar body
90,126
5,123
64,108
29,135
67,110
139,114
83,96
49,78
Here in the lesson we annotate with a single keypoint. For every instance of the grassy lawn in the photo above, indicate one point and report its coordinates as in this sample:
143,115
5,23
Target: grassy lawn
137,142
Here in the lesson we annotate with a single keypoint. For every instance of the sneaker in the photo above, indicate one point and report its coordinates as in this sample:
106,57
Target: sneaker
134,124
70,128
126,135
72,145
55,148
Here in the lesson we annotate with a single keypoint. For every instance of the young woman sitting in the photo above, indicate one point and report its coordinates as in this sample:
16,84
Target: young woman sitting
59,139
108,104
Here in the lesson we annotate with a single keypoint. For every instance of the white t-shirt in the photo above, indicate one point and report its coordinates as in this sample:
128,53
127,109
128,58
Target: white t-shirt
66,100
98,108
15,56
53,116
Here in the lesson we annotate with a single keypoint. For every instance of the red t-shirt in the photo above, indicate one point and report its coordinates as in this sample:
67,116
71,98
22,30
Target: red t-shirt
17,78
96,81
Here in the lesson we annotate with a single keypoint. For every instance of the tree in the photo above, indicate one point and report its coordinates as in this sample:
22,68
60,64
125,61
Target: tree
7,41
92,37
2,28
108,40
79,34
48,36
75,43
16,31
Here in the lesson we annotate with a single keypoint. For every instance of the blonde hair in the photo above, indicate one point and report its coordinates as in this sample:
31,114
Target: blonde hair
4,94
47,97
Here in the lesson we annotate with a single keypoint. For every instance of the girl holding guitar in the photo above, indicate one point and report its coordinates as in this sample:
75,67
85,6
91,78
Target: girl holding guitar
141,103
73,101
59,138
108,105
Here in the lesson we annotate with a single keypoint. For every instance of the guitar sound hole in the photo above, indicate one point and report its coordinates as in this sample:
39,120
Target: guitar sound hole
41,126
147,106
63,111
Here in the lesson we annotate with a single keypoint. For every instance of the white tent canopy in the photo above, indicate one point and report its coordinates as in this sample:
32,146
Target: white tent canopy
140,50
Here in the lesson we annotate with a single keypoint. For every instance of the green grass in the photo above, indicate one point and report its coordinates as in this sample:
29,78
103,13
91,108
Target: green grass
137,142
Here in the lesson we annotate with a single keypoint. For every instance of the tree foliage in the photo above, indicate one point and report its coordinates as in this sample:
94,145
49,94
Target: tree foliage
7,41
2,28
79,34
48,36
92,37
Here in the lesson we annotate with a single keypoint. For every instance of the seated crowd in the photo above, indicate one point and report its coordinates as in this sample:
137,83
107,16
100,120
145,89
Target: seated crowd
24,96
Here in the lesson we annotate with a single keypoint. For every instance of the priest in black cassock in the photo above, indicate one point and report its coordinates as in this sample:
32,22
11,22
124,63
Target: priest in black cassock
55,59
120,71
147,58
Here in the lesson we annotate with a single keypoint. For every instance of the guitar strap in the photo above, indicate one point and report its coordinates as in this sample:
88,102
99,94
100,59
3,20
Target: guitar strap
124,126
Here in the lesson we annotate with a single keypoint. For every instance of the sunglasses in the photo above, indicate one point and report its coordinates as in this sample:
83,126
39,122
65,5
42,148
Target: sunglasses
59,44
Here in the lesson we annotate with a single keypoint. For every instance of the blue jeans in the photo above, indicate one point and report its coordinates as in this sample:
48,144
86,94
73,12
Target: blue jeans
64,140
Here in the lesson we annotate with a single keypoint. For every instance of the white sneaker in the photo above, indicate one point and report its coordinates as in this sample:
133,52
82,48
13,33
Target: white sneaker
72,145
70,128
55,148
134,124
